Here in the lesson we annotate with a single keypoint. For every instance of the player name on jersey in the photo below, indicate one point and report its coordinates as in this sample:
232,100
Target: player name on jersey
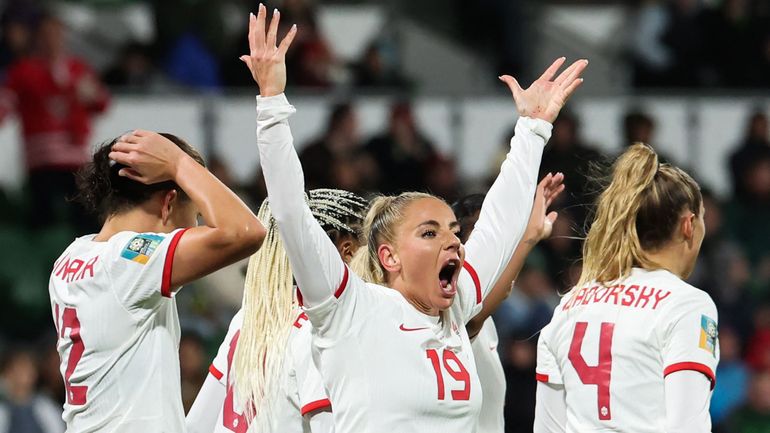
631,295
70,270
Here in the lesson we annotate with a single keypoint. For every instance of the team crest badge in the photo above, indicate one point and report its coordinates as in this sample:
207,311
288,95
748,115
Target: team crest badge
708,334
141,248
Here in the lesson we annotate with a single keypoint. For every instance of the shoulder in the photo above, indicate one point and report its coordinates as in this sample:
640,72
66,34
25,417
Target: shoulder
685,294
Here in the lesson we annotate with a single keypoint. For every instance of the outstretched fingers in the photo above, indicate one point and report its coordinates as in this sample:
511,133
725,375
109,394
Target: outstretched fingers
551,71
569,90
287,40
272,32
573,71
259,29
516,89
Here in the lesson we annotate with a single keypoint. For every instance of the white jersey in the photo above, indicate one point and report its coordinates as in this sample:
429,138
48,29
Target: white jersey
612,347
118,331
388,367
302,387
491,378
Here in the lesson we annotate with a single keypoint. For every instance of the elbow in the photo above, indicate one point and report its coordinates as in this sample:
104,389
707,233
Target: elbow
473,327
245,239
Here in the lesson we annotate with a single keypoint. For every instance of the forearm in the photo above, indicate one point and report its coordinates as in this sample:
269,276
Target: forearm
315,262
506,209
688,394
204,412
220,207
504,285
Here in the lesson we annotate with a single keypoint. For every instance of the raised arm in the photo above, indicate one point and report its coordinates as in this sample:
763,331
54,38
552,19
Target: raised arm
316,264
538,228
508,203
231,231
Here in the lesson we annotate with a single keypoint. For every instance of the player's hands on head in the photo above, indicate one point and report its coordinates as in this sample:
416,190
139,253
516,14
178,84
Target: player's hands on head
266,61
546,96
541,222
148,156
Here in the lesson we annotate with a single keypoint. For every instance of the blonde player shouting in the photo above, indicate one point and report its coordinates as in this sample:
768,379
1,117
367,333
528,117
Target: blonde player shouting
481,329
393,352
632,347
112,293
302,404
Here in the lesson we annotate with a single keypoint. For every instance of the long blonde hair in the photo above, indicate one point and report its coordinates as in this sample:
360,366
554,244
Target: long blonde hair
637,213
385,212
269,299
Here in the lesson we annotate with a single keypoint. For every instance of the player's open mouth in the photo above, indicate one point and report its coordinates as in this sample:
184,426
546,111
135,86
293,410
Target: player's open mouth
447,277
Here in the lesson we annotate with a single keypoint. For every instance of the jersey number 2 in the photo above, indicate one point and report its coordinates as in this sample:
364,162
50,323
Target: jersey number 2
458,372
600,374
76,395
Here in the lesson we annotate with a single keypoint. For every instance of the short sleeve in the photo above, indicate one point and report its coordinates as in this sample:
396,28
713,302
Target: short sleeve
690,337
310,389
140,266
547,370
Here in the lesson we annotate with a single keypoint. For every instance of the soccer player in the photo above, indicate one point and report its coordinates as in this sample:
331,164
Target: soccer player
112,293
481,329
632,347
392,347
301,404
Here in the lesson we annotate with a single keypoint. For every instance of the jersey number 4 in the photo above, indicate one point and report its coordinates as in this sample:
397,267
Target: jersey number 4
76,395
600,374
455,368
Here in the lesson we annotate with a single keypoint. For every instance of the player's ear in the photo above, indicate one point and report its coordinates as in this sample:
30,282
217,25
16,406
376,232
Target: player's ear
347,248
169,203
687,226
389,258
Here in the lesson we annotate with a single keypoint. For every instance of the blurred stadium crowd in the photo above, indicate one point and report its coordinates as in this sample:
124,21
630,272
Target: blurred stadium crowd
680,43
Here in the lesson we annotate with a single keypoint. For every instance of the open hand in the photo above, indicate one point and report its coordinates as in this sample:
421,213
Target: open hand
148,156
266,61
540,224
546,97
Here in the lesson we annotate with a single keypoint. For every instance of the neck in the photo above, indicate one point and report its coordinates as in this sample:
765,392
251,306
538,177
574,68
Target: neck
670,258
420,305
138,219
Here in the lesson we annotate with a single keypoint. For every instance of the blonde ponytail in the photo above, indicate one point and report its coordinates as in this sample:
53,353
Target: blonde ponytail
268,305
637,212
385,212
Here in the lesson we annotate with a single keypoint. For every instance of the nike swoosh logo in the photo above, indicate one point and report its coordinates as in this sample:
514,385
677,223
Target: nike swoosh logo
410,329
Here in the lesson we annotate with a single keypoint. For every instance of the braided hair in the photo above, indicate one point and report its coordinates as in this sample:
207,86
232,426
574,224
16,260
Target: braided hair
269,300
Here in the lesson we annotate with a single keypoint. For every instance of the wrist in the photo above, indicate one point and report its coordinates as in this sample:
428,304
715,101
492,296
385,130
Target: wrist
531,237
267,92
180,165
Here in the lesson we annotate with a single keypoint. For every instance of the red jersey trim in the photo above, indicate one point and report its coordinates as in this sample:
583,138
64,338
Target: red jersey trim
343,284
475,277
318,404
693,366
216,373
165,285
541,377
299,298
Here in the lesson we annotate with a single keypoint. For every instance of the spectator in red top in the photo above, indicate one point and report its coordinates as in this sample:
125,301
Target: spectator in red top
54,96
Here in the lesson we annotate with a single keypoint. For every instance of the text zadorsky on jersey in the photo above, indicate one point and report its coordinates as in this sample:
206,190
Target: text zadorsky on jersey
632,296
